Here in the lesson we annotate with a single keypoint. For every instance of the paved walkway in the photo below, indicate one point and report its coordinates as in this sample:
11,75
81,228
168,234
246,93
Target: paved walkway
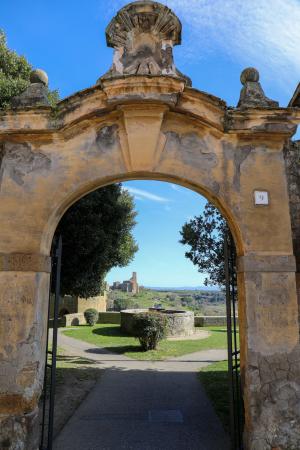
143,405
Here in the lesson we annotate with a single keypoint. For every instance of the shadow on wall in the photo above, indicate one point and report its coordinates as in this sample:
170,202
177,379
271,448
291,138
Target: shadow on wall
75,322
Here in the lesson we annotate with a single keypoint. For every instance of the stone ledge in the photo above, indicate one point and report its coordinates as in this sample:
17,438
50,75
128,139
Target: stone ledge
24,262
266,263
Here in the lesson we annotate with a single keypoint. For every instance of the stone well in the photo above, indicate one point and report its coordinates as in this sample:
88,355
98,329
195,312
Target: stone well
179,322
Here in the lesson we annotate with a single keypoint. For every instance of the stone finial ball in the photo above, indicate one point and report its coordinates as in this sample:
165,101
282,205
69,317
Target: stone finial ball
39,76
249,74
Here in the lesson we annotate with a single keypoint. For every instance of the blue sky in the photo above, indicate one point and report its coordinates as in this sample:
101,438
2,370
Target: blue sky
220,38
162,210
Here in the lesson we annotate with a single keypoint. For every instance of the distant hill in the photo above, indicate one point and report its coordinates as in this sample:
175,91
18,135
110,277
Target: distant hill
184,288
201,300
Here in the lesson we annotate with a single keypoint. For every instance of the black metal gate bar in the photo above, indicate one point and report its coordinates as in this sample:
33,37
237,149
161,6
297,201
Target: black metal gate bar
235,397
236,353
42,440
55,274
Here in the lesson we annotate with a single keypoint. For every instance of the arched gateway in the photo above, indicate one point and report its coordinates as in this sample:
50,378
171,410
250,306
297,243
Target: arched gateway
142,120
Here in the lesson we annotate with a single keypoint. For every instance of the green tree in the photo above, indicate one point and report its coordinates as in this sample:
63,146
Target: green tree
14,75
97,236
205,237
124,303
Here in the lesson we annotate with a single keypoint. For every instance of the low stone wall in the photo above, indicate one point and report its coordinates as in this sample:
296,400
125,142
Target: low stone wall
110,317
61,322
74,319
211,321
115,318
179,323
127,319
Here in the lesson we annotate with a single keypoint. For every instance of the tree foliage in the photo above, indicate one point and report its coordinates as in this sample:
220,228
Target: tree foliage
97,236
124,303
96,230
14,75
205,237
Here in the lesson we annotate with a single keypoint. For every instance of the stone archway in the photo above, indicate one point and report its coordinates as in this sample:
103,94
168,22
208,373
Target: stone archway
143,121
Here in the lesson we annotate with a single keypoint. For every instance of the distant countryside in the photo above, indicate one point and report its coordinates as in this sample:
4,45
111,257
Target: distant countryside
202,302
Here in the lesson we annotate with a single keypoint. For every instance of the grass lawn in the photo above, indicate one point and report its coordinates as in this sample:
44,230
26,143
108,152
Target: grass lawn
112,338
214,379
74,366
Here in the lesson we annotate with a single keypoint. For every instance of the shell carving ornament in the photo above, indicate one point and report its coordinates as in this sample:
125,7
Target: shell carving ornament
143,35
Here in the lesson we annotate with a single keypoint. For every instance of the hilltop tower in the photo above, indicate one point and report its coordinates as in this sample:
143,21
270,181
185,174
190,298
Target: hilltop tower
134,284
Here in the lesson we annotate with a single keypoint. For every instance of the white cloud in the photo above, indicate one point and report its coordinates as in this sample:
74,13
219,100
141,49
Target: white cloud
137,197
262,33
140,194
176,188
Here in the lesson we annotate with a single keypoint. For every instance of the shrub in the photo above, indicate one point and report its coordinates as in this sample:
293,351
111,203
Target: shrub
149,328
91,316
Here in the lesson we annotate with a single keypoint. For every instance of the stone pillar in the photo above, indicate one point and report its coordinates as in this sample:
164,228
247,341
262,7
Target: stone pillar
270,364
24,292
292,160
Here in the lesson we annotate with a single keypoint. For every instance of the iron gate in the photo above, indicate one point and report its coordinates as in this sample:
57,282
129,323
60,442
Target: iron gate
234,378
51,350
235,395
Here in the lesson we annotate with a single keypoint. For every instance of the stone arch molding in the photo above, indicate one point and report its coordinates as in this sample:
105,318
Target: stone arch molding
137,127
143,120
142,140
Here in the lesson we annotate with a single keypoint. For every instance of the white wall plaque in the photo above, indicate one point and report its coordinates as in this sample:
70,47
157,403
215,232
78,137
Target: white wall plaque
261,197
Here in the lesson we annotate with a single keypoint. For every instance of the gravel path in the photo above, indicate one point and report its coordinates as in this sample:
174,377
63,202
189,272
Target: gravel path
143,405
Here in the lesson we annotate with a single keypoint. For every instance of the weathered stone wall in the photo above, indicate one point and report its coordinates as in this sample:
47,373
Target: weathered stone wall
75,319
292,161
178,323
67,302
24,308
98,303
271,375
128,317
191,139
78,318
74,305
143,121
114,317
211,321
